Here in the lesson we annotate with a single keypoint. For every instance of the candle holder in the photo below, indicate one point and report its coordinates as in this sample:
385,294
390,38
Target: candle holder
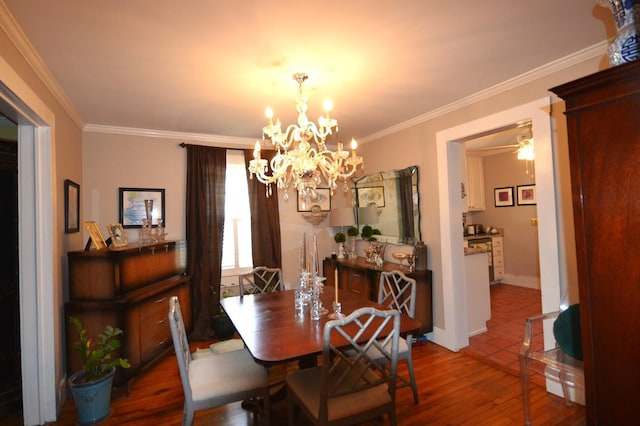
337,311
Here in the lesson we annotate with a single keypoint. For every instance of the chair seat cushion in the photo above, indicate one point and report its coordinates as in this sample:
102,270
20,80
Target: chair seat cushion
305,384
225,375
375,354
567,332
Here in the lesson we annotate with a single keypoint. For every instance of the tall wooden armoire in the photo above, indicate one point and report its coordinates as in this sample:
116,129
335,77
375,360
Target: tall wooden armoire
603,122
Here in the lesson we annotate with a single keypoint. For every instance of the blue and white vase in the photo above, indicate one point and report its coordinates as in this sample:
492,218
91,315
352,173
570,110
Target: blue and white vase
625,47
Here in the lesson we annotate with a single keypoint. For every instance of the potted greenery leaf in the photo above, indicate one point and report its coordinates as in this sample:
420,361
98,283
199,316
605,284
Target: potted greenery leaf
91,386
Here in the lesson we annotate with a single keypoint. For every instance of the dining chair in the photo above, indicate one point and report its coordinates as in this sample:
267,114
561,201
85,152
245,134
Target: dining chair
349,389
397,291
216,380
261,279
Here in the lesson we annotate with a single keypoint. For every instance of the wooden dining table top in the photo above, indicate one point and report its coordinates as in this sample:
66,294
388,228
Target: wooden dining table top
274,333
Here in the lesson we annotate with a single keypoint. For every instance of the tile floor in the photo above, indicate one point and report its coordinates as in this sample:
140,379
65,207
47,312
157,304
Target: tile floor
499,346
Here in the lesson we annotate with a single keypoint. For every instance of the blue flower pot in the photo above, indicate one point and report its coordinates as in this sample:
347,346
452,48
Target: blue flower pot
93,399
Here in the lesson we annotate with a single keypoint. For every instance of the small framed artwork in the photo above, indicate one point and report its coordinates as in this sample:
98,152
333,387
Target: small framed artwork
95,235
132,206
71,207
320,197
371,196
526,195
118,235
503,197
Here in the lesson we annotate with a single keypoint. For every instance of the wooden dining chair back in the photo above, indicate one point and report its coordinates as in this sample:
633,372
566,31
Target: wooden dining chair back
217,379
261,280
349,389
397,291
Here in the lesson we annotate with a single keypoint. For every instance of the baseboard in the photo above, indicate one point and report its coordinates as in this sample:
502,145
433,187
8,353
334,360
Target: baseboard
521,281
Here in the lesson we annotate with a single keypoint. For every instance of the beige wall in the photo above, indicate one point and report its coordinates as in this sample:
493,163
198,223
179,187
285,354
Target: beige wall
417,145
520,238
112,161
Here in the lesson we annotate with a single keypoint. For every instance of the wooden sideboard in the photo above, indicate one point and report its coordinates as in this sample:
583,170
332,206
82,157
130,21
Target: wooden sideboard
128,288
359,276
604,153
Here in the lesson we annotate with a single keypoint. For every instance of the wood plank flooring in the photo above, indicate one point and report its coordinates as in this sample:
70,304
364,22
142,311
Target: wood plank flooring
454,389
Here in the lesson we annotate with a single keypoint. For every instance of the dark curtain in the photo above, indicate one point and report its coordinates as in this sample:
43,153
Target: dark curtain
265,219
407,231
206,168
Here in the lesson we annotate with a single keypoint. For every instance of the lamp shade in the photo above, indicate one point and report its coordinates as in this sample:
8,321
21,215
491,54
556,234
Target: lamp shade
367,215
341,217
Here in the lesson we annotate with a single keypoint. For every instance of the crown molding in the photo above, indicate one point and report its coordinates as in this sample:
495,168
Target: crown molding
13,31
218,140
535,74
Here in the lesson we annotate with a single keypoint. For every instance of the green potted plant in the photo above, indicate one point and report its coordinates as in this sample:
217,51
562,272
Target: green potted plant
340,238
91,386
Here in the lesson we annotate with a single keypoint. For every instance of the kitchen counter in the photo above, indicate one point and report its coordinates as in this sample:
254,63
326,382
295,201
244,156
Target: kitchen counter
478,294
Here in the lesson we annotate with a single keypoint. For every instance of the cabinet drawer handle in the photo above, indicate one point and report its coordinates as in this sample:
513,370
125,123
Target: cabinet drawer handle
161,321
356,291
161,300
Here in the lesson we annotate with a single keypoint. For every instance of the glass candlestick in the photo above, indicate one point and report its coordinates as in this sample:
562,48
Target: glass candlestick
337,311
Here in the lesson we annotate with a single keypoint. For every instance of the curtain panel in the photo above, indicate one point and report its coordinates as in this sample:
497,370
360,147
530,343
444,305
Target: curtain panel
206,169
265,219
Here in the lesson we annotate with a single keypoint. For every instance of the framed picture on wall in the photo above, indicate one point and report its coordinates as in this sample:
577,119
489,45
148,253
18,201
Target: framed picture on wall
71,207
131,206
321,197
526,195
503,197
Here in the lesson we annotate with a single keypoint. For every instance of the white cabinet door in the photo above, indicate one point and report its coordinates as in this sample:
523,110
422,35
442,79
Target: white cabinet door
498,258
475,184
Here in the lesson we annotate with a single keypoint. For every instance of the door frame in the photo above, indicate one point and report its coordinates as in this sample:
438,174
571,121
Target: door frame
39,339
454,335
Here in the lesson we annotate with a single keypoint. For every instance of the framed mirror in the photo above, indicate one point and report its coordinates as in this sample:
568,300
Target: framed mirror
389,202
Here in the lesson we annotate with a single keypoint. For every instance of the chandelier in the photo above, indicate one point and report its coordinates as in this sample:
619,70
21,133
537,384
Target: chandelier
302,159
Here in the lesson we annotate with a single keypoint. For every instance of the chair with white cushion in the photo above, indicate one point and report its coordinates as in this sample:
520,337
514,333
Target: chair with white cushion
349,387
397,291
215,380
261,280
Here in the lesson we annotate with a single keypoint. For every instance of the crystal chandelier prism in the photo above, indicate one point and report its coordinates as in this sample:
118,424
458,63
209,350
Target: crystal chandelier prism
302,159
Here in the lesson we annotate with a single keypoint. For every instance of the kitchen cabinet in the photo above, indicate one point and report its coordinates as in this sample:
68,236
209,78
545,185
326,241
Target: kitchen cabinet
497,258
361,277
602,113
128,288
475,184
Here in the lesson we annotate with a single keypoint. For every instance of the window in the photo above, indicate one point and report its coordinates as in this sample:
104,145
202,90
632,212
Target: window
236,246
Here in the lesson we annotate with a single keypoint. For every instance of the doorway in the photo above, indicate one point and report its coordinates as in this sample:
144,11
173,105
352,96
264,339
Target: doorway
10,365
38,301
449,150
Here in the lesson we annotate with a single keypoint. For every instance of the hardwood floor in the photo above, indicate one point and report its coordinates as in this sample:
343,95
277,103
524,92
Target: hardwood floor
454,388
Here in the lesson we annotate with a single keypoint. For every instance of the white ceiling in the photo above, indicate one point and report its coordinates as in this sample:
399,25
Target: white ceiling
211,67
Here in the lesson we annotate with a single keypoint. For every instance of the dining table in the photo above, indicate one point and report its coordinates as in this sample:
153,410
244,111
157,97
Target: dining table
275,332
